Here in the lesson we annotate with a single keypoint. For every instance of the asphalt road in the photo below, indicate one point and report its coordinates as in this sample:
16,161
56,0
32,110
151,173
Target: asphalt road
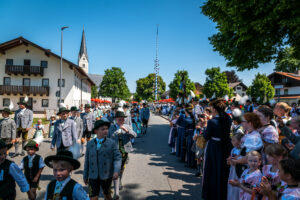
151,174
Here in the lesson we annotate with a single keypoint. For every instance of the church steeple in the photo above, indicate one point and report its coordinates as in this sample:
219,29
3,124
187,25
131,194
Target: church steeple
83,56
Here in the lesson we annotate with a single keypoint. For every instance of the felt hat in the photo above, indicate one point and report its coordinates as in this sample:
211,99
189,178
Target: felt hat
74,108
188,106
7,110
32,143
62,109
63,155
3,145
116,107
100,123
87,106
23,102
120,114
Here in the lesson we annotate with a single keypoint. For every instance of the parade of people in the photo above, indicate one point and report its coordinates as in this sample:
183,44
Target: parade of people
85,113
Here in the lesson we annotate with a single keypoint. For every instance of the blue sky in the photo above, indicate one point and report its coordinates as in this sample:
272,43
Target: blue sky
121,33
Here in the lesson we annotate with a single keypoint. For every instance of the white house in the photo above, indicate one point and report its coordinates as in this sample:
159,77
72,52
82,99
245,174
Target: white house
239,89
287,86
27,69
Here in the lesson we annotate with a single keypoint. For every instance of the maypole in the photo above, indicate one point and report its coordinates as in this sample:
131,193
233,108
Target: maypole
156,66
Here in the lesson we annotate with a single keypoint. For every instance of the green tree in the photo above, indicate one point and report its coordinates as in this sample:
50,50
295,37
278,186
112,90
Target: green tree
261,89
94,92
252,32
216,83
114,84
145,87
286,61
175,84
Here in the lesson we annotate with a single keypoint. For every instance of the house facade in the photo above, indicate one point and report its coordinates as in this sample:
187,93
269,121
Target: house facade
239,90
287,86
27,69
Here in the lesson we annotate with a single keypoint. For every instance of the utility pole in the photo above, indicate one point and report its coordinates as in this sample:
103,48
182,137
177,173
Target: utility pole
156,66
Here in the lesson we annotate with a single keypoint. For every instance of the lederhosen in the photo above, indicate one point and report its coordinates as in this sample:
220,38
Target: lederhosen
7,182
65,194
95,184
30,173
22,131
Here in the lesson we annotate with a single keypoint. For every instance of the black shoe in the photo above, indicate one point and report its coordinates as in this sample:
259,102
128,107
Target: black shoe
198,174
14,155
22,154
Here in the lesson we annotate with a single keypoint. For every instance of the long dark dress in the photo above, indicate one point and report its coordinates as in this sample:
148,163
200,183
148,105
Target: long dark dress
216,170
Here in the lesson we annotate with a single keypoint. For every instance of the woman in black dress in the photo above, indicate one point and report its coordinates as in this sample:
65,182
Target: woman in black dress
216,170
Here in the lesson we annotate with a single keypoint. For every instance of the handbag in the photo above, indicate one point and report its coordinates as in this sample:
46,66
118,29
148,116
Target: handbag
75,149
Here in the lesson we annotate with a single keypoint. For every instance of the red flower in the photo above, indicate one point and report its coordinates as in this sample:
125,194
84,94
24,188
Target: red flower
36,145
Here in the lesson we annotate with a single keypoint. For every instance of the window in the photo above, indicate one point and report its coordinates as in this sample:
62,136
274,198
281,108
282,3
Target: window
45,102
63,83
58,102
238,88
9,61
44,64
83,58
6,81
277,92
6,102
26,81
45,82
27,62
286,91
83,65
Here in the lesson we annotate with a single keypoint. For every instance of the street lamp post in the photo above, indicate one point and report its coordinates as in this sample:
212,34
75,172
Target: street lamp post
61,47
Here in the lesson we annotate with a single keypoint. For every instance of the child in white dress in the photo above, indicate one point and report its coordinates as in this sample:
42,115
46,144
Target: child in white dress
233,192
39,132
250,178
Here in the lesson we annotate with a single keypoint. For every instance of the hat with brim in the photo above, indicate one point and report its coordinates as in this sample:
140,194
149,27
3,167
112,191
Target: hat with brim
3,145
120,114
7,110
87,106
62,109
23,102
74,108
62,155
32,144
100,123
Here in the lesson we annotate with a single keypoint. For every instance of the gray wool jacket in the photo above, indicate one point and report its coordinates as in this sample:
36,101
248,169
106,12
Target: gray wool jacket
7,128
102,163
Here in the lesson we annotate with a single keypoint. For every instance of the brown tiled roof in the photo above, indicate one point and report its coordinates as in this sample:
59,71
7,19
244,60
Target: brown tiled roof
290,75
20,40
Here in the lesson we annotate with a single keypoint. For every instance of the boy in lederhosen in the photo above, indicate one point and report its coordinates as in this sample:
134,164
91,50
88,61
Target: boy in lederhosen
63,187
33,165
102,162
10,173
23,119
121,133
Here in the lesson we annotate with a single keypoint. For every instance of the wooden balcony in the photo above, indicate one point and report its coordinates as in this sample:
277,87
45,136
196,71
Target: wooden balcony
24,90
24,69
